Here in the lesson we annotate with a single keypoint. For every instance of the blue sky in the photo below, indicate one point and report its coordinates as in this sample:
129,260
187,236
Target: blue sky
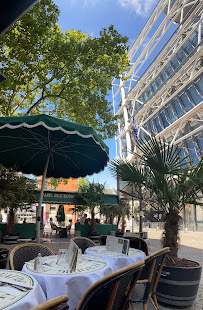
90,16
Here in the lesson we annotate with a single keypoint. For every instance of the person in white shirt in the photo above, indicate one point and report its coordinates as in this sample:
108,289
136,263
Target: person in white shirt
82,220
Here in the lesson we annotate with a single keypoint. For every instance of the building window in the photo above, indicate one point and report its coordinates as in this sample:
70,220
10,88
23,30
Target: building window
186,102
171,114
178,108
193,153
158,125
200,84
194,94
163,75
187,46
52,208
181,55
175,62
169,69
164,119
200,144
194,39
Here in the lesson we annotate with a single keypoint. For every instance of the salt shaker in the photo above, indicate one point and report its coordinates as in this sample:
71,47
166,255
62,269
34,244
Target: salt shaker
38,262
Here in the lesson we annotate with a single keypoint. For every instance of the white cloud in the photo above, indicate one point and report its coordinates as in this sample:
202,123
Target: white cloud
140,7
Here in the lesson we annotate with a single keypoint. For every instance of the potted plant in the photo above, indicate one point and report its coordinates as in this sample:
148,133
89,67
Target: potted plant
16,191
90,195
171,183
119,211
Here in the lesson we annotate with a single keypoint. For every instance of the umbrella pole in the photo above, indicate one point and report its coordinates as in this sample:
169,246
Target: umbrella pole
40,199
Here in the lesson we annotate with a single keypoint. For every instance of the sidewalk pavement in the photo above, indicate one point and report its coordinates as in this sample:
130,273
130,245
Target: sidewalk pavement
191,247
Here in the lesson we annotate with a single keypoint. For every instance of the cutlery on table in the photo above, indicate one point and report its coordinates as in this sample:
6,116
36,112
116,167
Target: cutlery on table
17,286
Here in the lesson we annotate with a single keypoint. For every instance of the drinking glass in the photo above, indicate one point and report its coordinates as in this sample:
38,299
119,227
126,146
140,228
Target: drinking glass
79,258
61,257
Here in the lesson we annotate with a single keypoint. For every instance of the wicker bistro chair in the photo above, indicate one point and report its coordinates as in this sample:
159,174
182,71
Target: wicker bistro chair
58,303
102,240
149,278
83,243
138,243
26,252
113,291
68,228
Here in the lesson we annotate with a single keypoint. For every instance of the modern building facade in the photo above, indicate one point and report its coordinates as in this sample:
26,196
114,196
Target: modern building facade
163,94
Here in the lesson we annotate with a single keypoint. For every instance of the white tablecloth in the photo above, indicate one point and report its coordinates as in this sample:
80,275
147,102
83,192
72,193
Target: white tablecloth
56,280
13,299
116,260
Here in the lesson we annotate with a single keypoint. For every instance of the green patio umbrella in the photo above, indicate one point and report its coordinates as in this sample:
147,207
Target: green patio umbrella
60,214
44,145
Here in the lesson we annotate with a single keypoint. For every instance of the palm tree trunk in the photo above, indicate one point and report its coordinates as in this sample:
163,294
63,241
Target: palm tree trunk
170,237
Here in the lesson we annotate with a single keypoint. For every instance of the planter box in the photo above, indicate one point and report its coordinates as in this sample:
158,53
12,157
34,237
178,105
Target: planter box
102,229
26,231
178,286
3,257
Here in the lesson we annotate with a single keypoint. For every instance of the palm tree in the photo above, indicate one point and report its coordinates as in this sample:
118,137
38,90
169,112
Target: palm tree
169,181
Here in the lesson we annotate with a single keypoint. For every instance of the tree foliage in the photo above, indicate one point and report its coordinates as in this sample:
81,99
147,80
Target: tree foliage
89,196
66,74
16,192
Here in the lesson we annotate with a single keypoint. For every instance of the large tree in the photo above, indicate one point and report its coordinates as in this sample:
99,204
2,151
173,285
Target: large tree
90,196
67,74
16,192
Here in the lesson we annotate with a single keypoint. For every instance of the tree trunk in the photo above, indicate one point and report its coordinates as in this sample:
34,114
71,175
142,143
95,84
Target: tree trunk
93,223
119,218
10,222
170,237
123,225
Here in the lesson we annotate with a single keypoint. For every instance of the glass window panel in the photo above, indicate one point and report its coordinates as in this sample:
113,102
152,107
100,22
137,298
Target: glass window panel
159,81
194,38
187,46
164,119
145,96
153,129
183,152
164,75
193,153
186,102
200,143
154,86
181,55
178,108
158,125
200,85
171,114
169,68
141,134
175,62
194,94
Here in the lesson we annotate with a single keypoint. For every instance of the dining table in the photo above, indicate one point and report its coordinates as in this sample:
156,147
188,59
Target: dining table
19,291
56,279
116,259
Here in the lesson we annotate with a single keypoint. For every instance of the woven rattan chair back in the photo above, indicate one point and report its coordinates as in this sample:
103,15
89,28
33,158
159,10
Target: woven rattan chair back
113,291
138,243
83,243
102,240
149,279
26,252
58,303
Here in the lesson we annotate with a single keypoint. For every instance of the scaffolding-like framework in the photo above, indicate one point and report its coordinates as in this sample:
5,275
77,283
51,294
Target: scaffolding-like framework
163,70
